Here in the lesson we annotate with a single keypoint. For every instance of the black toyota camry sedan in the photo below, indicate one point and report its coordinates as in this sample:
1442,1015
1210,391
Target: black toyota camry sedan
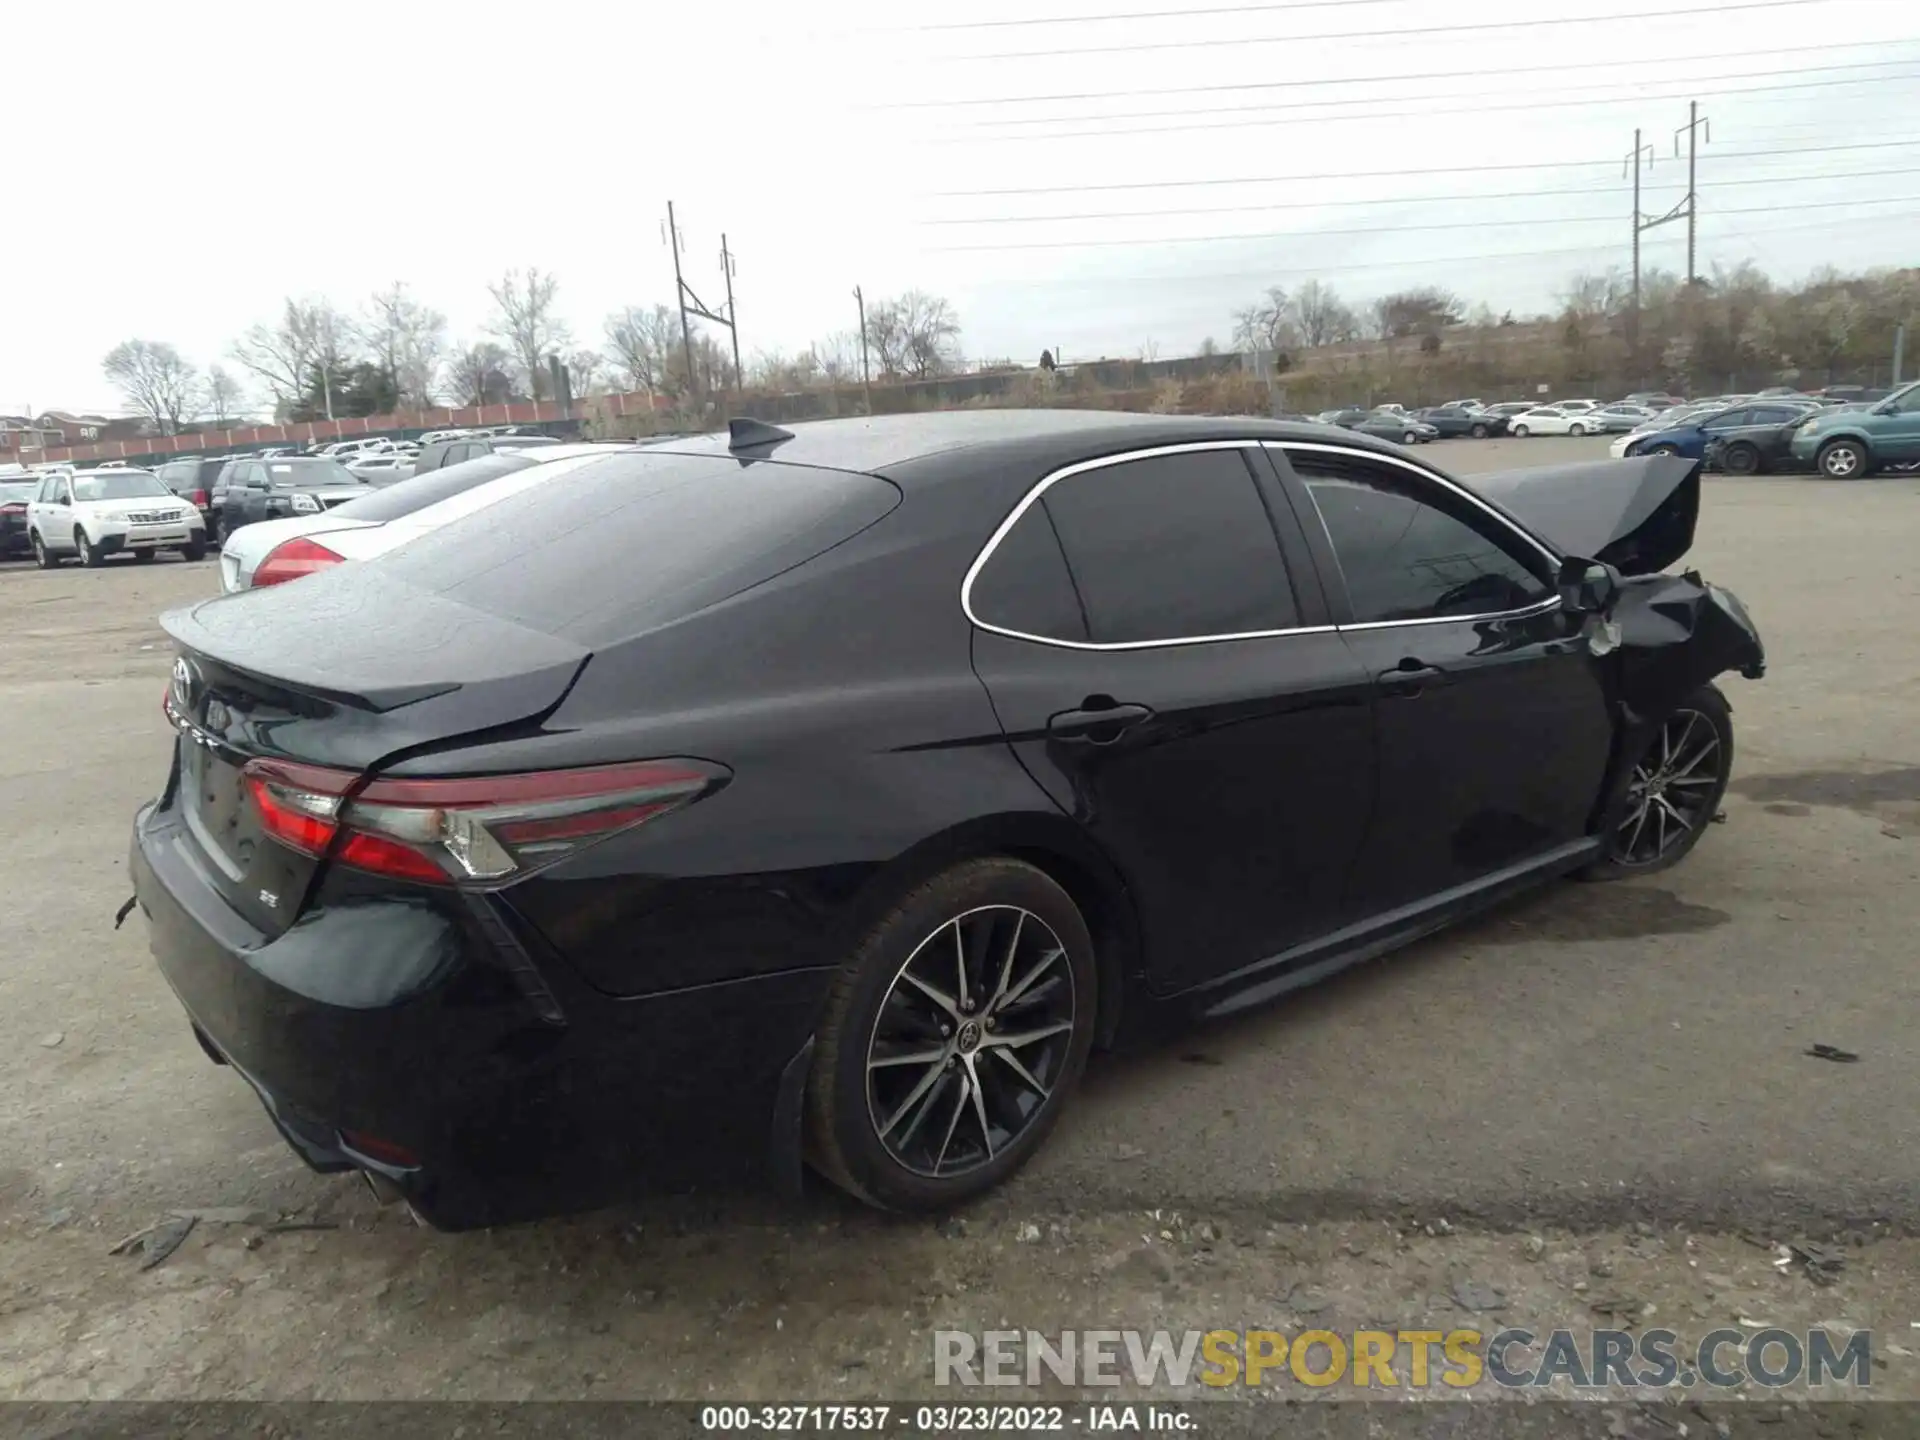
772,800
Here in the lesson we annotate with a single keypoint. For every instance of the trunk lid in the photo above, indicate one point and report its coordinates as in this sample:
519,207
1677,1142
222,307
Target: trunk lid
1636,514
342,675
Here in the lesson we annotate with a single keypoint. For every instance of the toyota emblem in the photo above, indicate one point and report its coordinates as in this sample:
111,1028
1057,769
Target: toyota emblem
182,686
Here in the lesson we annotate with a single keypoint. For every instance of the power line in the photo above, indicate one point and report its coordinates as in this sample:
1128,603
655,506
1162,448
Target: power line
1584,67
1375,230
1376,174
1472,27
1458,197
1497,257
1136,15
1612,94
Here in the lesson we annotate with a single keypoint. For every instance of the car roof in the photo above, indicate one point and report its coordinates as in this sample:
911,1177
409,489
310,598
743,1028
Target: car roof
886,444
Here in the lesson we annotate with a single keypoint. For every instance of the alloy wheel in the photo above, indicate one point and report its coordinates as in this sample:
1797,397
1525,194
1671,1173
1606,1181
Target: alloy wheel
970,1041
1673,790
1840,461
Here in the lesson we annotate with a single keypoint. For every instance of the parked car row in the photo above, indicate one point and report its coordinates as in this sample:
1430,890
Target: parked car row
1786,430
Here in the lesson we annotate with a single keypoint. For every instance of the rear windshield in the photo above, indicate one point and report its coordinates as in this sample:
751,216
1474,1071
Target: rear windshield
295,474
430,489
117,485
18,490
638,540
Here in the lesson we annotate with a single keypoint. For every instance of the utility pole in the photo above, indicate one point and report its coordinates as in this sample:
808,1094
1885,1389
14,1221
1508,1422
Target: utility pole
680,294
1696,124
1635,158
726,268
866,384
690,303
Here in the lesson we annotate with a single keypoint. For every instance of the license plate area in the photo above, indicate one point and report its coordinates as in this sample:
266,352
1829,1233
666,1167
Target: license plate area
214,798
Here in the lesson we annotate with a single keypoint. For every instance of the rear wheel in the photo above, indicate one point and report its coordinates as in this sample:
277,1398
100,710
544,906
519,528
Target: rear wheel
1740,459
1843,460
953,1038
89,556
1673,790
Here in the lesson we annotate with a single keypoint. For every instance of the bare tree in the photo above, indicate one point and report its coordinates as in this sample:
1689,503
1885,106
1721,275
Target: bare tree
525,321
838,356
482,374
640,343
1321,316
406,341
1425,311
915,335
223,396
311,344
584,372
157,381
1267,324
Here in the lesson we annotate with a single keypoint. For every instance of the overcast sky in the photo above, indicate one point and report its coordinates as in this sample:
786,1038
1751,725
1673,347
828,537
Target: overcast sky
183,167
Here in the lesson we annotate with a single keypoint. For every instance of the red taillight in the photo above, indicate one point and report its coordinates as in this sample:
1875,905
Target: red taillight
14,508
199,498
293,558
487,830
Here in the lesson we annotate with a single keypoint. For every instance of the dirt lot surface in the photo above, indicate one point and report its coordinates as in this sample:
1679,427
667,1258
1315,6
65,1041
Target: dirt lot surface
1593,1103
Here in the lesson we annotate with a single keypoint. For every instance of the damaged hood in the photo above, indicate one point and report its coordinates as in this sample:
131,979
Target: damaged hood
1636,514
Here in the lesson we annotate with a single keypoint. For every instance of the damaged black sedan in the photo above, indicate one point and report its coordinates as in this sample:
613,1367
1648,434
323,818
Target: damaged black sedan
821,798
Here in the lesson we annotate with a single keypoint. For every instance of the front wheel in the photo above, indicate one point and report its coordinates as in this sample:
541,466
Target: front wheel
42,556
1479,432
952,1039
1740,459
1843,460
1521,431
1664,450
1409,438
1576,430
89,557
1673,790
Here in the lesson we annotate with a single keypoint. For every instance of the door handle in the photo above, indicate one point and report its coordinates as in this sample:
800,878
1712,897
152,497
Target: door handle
1411,677
1096,725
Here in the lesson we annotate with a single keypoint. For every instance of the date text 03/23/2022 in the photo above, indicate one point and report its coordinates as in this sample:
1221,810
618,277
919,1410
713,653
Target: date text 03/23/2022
948,1419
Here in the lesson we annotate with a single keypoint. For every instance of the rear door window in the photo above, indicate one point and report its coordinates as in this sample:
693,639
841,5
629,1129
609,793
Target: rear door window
1171,547
1024,588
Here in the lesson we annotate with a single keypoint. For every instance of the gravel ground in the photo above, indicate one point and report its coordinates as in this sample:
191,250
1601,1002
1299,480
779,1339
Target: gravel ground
1595,1096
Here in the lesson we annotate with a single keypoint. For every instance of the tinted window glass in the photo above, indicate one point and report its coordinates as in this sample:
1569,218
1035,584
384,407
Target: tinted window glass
1177,547
429,489
1408,550
637,540
1776,414
1025,587
1727,421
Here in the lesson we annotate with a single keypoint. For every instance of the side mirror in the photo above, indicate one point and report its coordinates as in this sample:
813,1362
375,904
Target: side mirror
1588,587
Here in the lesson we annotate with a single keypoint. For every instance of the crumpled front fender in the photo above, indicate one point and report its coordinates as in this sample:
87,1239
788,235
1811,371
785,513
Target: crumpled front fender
1675,633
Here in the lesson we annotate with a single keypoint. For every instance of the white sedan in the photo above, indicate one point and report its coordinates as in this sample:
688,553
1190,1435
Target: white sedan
1552,420
272,551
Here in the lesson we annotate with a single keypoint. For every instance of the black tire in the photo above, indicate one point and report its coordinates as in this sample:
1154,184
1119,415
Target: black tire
145,555
1629,850
216,530
1740,458
1518,431
1843,460
42,556
194,550
1576,428
1662,450
89,557
1409,438
844,1135
1479,432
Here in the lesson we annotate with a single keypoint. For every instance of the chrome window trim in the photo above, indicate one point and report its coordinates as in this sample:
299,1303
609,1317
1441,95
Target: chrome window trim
1452,487
1081,467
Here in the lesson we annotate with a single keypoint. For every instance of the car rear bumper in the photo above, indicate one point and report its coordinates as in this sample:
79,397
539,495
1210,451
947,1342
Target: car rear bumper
391,1035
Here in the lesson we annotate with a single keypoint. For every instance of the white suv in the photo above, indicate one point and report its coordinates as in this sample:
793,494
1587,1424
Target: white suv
96,513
